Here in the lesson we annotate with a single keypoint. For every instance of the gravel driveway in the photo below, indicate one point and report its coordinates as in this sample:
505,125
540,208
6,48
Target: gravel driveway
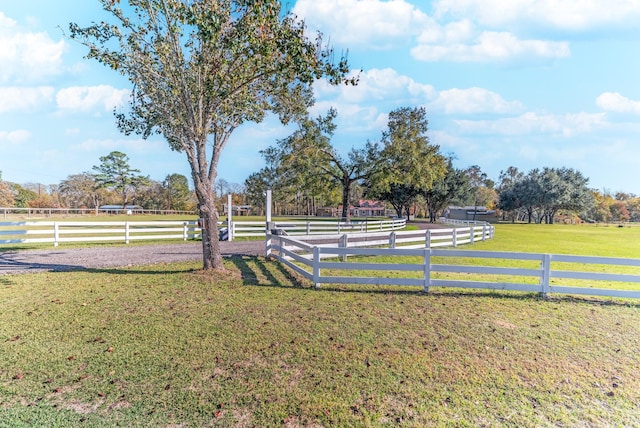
66,259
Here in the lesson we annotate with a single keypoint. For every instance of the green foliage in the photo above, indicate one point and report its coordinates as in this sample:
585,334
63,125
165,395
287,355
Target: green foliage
22,196
306,161
115,173
545,193
447,189
200,69
408,164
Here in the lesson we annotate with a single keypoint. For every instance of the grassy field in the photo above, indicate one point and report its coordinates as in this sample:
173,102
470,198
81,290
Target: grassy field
167,346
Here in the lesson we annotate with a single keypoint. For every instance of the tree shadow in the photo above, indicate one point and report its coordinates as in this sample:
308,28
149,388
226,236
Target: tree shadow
448,292
250,276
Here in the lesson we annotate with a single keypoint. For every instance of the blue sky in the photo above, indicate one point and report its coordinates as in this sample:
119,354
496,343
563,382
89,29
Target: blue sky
524,83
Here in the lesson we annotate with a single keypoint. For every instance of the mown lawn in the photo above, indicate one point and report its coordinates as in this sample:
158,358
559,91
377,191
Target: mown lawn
167,346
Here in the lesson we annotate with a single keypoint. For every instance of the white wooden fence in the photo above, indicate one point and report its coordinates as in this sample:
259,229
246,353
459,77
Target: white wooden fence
429,267
49,212
57,232
315,227
25,232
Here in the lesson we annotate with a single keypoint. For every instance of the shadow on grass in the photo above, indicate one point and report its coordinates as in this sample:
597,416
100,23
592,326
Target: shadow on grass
259,266
449,292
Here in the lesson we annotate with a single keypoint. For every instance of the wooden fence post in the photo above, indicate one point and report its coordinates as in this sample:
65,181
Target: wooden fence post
392,240
126,232
344,243
316,267
455,237
185,231
56,234
427,269
484,231
471,235
546,275
428,239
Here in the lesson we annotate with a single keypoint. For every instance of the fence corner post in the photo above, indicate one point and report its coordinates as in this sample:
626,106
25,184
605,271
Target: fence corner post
316,267
427,269
267,244
484,231
545,276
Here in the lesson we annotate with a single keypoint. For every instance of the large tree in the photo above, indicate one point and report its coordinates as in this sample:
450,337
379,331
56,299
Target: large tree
177,191
308,156
200,69
114,172
408,164
452,186
81,190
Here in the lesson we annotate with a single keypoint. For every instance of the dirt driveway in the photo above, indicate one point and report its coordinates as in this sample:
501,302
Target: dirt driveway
67,259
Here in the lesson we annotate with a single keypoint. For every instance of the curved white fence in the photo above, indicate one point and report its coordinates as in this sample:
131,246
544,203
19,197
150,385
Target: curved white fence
431,267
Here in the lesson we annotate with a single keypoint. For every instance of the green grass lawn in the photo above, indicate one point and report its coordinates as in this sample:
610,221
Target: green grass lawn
167,346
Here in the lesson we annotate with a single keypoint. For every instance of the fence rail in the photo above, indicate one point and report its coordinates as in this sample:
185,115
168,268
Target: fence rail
114,231
429,267
57,232
49,212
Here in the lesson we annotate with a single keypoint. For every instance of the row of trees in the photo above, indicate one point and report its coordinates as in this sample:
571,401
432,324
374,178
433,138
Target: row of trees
403,169
114,182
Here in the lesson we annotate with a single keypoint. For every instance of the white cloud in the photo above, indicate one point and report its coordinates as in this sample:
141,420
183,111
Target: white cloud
125,145
25,56
474,100
378,85
16,98
376,23
382,24
532,123
466,46
14,137
571,15
614,102
83,98
359,106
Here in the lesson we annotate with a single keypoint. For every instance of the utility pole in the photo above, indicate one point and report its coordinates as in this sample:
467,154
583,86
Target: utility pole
169,188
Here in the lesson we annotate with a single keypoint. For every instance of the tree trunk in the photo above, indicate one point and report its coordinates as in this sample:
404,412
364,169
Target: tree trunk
211,257
346,184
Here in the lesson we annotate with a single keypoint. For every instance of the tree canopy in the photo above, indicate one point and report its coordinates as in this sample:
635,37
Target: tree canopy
307,156
114,172
200,69
408,164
